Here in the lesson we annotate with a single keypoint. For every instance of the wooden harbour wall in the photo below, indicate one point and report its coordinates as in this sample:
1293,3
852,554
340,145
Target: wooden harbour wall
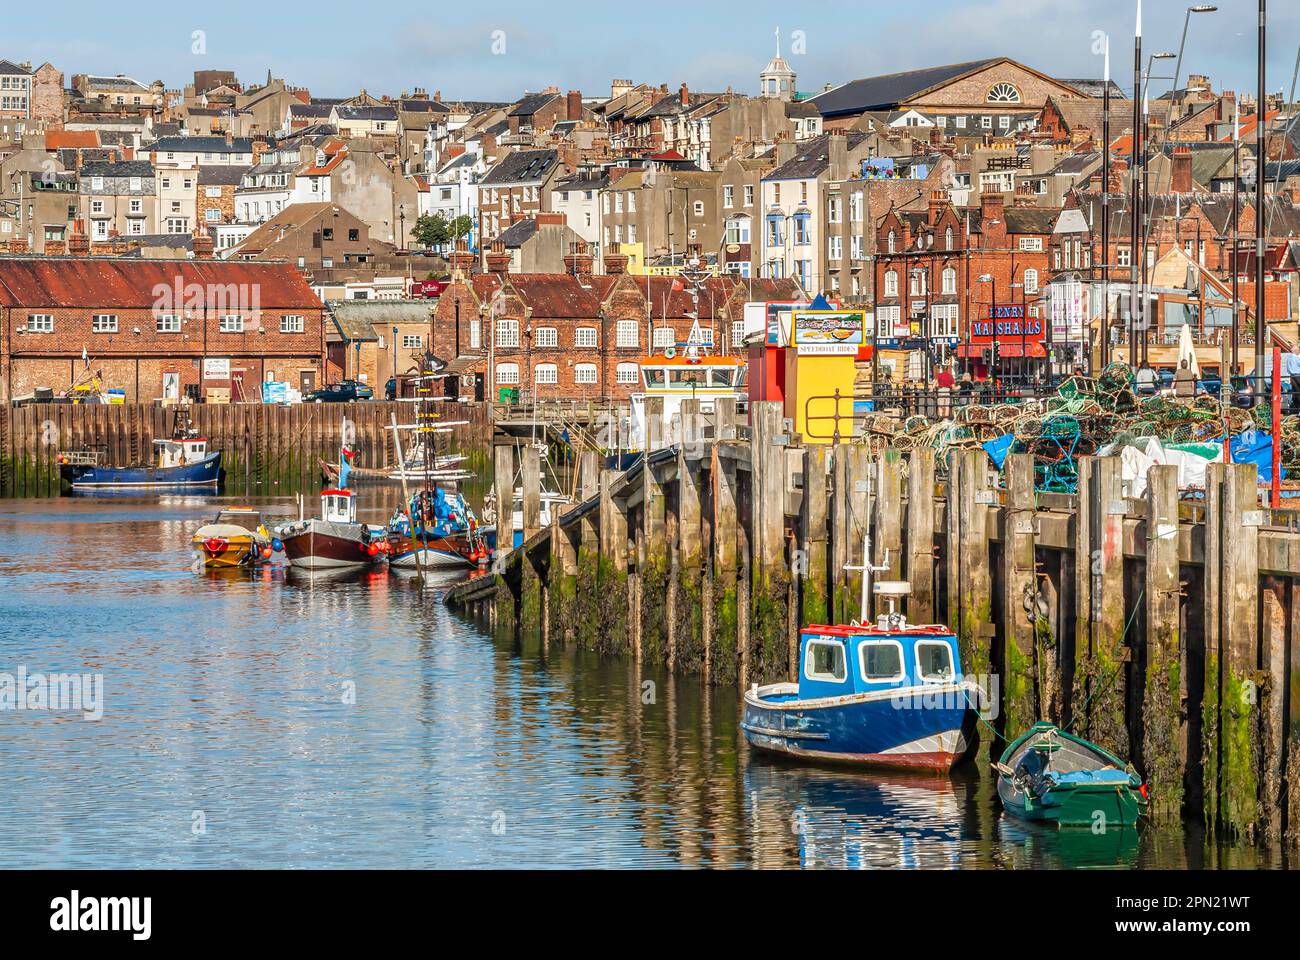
1163,628
266,449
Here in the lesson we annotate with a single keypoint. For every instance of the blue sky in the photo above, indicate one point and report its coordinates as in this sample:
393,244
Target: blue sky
336,49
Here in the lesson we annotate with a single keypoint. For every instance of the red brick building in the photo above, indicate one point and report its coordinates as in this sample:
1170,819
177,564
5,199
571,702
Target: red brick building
930,295
153,328
577,335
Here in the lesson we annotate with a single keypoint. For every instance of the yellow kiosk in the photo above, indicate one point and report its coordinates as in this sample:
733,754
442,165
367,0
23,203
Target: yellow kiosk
824,344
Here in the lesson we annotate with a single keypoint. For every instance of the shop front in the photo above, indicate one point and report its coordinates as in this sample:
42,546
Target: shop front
1006,346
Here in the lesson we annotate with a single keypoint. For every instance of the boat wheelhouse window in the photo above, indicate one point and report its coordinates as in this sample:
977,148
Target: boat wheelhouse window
882,661
655,376
934,660
824,660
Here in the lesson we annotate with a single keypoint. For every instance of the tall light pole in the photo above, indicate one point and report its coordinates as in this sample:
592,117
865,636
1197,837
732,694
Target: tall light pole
1259,212
993,324
1134,207
1104,358
1178,68
1146,194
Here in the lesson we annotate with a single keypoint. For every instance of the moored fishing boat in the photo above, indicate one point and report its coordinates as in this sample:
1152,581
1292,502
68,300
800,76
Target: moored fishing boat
1053,776
886,694
236,537
183,461
436,530
335,540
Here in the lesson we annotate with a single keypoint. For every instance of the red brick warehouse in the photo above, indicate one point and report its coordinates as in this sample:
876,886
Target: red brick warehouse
147,326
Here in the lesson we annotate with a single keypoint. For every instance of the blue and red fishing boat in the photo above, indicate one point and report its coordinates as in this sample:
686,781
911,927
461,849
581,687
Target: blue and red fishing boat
183,462
886,694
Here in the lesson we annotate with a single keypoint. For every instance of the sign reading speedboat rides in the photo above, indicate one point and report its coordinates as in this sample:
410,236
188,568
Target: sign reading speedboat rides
829,332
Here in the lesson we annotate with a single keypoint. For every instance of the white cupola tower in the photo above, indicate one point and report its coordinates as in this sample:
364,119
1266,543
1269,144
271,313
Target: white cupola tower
776,82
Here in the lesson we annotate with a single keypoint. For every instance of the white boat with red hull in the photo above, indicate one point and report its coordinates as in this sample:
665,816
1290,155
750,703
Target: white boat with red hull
335,540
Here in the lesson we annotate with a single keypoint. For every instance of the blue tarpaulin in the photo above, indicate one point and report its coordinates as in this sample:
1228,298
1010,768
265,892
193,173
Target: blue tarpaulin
998,449
1256,446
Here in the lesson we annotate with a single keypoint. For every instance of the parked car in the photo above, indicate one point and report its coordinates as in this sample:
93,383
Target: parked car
341,392
390,389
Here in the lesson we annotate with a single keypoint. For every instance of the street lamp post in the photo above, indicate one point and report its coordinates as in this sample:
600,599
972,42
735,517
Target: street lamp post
1178,67
993,324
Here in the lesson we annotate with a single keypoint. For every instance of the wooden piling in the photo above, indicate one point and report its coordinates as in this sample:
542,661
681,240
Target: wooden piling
812,569
920,535
612,608
1026,644
1163,749
504,484
653,561
1100,675
722,653
1239,680
770,575
687,609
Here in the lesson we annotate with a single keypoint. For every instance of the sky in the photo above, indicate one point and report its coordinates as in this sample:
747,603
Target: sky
499,50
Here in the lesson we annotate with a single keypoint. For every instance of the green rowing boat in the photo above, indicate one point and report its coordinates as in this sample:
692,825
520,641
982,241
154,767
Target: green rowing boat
1055,777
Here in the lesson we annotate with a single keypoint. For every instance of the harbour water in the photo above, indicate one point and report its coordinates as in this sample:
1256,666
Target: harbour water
275,720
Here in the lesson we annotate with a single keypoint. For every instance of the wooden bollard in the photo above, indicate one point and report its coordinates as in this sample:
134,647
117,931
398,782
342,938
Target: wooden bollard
1162,743
920,535
1239,677
1100,677
1023,650
814,540
562,581
588,628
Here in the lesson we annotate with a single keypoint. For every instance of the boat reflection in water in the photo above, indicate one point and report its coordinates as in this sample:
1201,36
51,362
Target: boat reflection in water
851,820
1043,846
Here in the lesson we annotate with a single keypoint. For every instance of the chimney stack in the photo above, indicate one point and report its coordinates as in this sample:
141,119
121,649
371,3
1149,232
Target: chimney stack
685,96
938,200
615,262
462,261
1182,170
837,155
993,219
203,246
579,262
78,242
498,259
573,110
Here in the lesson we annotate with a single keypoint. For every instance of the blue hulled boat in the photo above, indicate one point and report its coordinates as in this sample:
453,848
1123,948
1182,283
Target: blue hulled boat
887,694
183,462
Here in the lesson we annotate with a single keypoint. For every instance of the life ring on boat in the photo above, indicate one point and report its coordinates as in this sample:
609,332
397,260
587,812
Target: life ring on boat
215,545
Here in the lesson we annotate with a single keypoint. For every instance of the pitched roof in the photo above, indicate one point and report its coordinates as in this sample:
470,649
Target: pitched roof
530,104
365,113
77,282
360,319
71,139
812,158
517,234
889,90
221,176
10,68
201,144
523,166
557,295
122,168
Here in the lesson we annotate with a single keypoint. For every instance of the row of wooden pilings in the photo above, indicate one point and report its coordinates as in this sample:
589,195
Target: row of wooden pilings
1162,628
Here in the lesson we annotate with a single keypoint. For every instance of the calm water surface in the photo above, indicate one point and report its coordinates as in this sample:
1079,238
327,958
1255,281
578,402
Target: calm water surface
226,707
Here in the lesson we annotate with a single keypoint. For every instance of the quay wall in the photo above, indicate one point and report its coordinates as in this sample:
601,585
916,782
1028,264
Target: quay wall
267,450
1163,628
